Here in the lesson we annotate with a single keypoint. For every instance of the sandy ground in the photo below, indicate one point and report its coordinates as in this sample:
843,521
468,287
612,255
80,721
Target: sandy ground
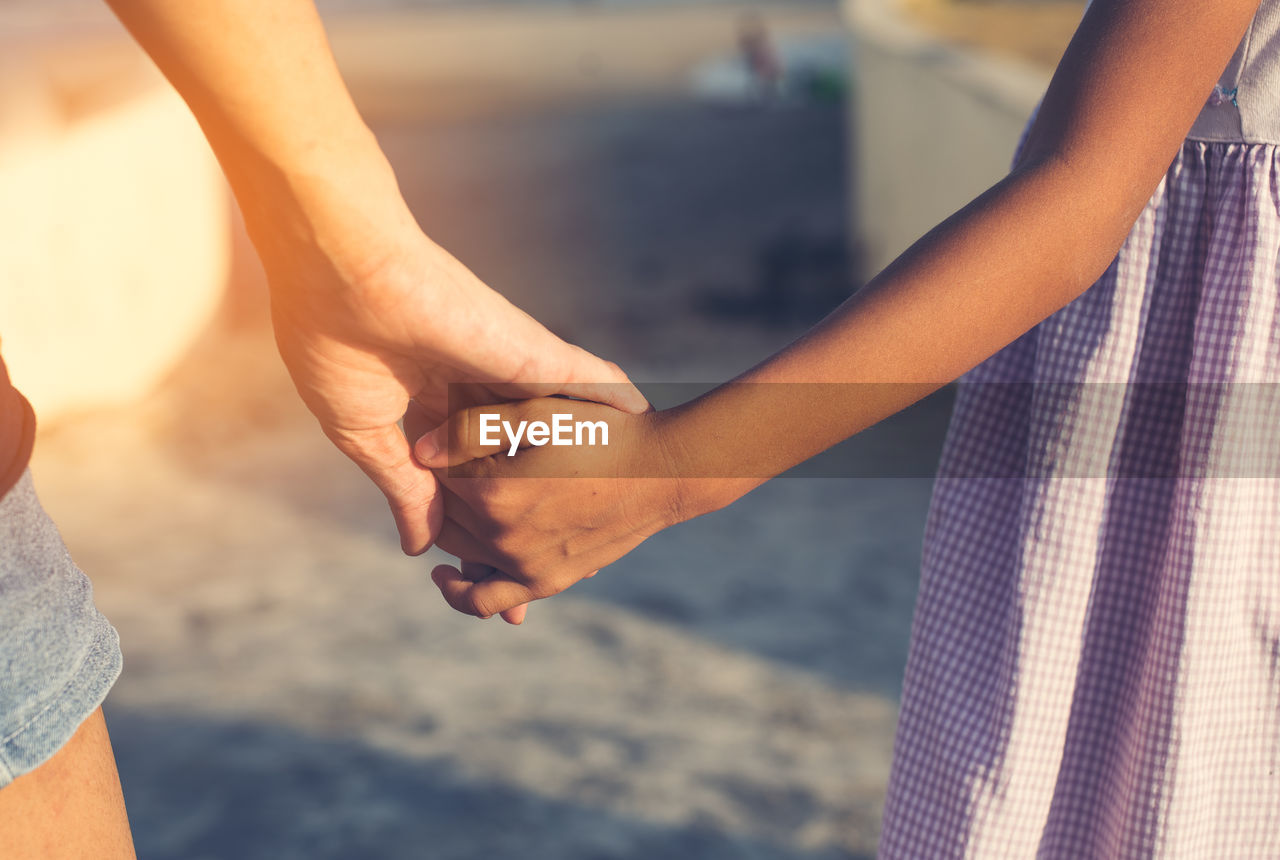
294,687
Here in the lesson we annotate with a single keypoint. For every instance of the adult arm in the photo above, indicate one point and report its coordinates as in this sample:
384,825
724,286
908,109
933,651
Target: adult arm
1129,87
369,313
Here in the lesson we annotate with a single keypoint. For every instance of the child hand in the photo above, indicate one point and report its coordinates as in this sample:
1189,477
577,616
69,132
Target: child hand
535,503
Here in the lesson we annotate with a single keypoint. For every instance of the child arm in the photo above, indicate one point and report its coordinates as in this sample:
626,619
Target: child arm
1129,87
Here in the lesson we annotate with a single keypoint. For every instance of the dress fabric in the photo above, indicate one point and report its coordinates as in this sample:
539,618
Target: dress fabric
1094,668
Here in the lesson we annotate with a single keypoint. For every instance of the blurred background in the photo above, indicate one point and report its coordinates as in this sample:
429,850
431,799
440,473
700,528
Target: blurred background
682,187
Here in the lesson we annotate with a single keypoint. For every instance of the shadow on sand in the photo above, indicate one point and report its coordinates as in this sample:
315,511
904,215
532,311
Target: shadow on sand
204,790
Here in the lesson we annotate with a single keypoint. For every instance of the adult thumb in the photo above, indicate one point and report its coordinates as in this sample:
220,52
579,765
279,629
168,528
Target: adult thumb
590,377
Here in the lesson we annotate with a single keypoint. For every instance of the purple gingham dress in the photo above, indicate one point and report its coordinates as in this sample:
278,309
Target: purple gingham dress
1094,668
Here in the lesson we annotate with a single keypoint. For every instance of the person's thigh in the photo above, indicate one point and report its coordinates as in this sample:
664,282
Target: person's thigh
70,807
59,792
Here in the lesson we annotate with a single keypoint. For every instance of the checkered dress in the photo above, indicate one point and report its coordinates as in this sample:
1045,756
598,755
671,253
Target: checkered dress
1095,659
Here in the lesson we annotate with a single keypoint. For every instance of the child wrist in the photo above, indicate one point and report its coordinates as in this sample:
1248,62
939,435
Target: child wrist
696,487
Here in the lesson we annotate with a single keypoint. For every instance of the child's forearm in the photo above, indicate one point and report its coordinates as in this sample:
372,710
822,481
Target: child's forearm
965,290
1130,85
1128,88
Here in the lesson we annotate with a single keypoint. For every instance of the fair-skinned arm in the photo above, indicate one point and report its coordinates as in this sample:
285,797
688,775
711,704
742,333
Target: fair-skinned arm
369,313
1129,87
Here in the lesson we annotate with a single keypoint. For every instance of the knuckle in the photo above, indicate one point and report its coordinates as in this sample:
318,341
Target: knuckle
459,430
482,605
455,601
544,588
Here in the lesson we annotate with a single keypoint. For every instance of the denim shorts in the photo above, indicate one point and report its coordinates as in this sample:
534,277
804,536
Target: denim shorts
58,655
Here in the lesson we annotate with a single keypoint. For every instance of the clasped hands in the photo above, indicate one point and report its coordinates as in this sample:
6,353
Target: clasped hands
376,323
534,504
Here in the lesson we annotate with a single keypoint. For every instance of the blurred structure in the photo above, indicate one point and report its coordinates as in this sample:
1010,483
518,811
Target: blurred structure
934,125
114,230
760,56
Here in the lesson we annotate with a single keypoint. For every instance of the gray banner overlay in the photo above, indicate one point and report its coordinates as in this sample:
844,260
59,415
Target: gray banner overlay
1189,431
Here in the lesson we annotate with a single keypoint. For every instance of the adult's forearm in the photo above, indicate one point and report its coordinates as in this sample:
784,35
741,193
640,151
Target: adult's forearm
259,76
262,82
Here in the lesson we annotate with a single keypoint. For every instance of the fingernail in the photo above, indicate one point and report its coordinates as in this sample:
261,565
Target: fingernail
426,448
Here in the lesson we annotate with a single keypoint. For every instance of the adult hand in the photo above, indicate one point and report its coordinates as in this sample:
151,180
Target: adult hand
531,525
370,314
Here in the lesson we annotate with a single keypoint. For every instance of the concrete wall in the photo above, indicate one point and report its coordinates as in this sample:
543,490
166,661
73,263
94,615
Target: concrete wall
932,127
114,222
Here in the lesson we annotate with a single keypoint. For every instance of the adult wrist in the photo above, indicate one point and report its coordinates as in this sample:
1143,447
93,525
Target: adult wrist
336,211
308,182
